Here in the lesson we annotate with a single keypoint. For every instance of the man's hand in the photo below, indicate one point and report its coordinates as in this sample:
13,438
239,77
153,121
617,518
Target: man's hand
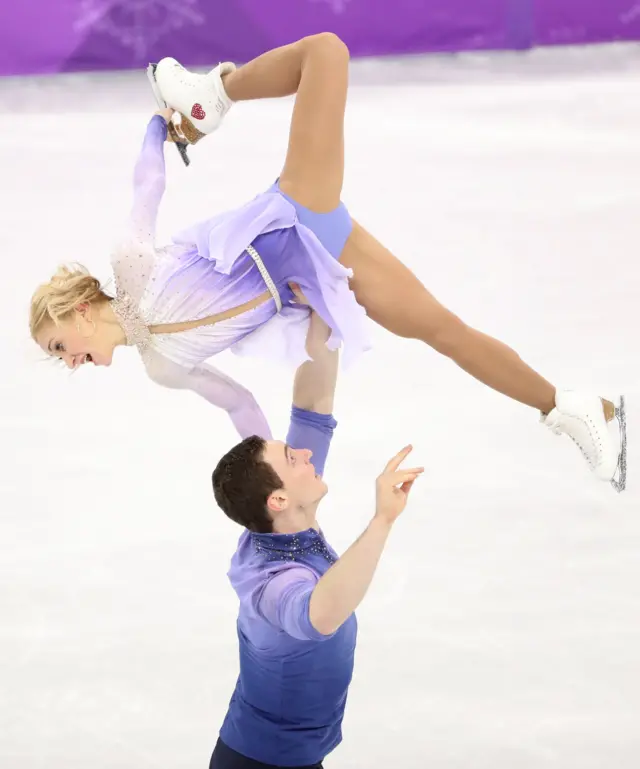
300,297
340,591
394,485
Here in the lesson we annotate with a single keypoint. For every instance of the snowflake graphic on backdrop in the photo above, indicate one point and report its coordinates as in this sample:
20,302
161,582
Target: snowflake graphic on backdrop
631,14
137,24
337,6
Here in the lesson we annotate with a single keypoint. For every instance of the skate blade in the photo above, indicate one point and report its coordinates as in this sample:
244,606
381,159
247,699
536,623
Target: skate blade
620,484
181,145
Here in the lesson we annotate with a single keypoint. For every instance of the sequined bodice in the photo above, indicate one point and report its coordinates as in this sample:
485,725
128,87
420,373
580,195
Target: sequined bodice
134,325
183,287
207,270
173,284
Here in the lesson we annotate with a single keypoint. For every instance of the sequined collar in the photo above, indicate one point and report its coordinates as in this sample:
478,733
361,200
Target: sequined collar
304,545
133,324
286,543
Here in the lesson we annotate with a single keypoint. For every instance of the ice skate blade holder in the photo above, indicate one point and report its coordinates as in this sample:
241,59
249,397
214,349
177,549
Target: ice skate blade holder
190,134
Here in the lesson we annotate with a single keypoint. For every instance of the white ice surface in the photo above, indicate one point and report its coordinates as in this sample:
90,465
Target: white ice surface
503,628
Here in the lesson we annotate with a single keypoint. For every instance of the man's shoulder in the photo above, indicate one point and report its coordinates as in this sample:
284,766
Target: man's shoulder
253,567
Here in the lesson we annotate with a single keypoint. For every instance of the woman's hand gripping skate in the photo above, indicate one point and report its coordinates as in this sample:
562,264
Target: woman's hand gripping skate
183,132
174,131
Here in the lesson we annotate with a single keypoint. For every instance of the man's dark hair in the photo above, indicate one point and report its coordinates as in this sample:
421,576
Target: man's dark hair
242,483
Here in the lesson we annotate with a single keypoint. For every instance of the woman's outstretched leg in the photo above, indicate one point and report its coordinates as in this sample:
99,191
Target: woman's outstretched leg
397,300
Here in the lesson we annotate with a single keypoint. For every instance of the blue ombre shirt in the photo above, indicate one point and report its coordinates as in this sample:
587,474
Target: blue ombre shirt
289,701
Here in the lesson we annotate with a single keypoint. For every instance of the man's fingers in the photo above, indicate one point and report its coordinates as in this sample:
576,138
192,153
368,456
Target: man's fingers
402,476
406,487
394,463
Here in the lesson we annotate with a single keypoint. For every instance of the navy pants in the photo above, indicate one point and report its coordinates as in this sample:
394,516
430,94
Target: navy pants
225,758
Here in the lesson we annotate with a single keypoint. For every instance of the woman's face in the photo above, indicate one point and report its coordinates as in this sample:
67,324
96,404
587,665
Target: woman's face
78,340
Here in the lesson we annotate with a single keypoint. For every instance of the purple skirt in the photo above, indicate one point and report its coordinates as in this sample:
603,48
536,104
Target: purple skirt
296,246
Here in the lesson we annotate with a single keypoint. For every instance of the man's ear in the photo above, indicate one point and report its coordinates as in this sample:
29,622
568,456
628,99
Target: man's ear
278,502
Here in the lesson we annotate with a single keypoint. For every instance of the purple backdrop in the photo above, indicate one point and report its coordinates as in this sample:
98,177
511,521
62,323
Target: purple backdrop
43,36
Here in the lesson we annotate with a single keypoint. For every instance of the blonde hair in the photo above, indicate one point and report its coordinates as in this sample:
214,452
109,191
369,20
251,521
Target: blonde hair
54,301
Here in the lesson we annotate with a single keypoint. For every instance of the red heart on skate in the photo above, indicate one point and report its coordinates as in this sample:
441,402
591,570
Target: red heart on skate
197,112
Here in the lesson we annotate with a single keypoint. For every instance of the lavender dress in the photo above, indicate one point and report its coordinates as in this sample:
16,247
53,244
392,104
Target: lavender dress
206,271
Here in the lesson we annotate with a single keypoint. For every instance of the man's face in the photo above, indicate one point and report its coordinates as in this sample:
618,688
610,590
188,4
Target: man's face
302,485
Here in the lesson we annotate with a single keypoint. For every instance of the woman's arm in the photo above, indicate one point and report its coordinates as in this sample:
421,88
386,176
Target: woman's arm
149,181
218,389
133,258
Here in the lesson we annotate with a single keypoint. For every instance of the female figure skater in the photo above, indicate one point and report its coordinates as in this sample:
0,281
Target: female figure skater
227,282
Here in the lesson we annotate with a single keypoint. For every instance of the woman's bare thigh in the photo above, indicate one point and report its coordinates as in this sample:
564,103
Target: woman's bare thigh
390,293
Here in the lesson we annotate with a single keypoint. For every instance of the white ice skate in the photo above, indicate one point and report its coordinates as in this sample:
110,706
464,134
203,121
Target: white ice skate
603,444
200,99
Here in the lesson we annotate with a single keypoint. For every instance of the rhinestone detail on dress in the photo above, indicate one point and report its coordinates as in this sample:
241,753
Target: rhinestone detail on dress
133,323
